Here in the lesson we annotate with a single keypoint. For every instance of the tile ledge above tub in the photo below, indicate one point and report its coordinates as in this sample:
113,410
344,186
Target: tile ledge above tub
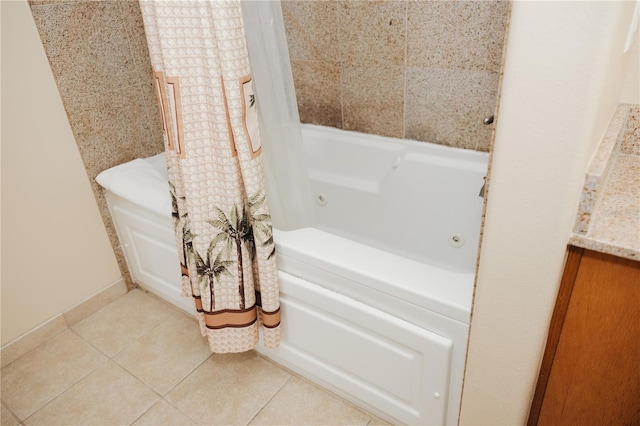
608,218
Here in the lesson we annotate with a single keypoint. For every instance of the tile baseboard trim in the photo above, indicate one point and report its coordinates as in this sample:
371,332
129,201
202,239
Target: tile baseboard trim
31,339
94,303
60,322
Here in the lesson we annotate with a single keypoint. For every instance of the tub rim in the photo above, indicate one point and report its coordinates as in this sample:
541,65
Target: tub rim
444,292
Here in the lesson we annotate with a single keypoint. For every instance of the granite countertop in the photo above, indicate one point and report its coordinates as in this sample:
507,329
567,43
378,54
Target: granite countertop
608,218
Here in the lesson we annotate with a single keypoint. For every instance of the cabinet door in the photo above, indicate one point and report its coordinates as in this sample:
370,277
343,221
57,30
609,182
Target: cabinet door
595,375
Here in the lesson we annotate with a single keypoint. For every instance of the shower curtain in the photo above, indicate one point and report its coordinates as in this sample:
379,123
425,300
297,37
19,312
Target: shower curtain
210,123
288,186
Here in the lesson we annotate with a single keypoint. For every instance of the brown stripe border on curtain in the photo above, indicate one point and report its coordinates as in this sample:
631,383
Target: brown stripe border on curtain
237,318
231,318
271,319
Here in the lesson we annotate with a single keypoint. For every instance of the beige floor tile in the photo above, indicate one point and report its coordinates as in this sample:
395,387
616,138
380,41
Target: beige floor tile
7,418
167,354
301,403
44,373
163,414
119,324
108,396
228,389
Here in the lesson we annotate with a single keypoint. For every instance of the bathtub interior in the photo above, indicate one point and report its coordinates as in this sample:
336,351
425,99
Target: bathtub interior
413,199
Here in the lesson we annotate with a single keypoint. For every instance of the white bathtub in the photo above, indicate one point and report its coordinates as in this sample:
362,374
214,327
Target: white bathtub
376,299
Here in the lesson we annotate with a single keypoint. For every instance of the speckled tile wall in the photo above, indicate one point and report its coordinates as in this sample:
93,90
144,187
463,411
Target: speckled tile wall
416,69
630,143
98,54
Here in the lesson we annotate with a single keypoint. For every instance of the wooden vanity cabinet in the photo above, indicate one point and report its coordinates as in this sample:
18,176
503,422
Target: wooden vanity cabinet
590,373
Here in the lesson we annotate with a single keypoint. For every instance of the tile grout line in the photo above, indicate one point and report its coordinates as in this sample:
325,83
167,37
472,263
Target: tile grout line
145,412
64,391
173,312
178,408
68,387
136,377
271,399
406,52
86,378
186,376
336,395
113,358
148,385
295,374
12,413
340,64
141,336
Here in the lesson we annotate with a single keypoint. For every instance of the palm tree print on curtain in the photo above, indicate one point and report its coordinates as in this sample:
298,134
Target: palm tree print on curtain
184,238
214,164
210,270
262,222
239,229
236,230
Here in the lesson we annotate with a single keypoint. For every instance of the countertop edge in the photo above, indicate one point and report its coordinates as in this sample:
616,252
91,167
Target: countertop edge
608,215
589,243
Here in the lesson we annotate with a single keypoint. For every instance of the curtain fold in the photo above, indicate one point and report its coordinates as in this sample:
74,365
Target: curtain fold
210,124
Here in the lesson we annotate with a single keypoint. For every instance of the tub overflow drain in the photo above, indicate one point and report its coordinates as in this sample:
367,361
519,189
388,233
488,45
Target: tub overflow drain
321,199
456,240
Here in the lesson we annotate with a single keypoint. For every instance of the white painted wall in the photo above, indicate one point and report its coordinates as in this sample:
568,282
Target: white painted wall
631,89
55,250
562,80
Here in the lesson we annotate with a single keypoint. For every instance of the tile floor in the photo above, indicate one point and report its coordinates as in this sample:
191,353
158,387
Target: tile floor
141,361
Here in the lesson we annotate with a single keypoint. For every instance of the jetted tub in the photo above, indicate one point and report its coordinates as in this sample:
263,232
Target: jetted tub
376,299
